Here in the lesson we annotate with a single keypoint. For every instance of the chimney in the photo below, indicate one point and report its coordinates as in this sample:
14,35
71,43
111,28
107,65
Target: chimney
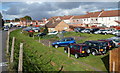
53,21
87,12
102,10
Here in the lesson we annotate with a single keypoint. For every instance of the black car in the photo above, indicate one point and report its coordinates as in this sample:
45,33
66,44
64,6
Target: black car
78,50
97,47
93,30
40,34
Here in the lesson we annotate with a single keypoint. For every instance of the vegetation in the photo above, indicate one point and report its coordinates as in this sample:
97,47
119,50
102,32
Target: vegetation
38,57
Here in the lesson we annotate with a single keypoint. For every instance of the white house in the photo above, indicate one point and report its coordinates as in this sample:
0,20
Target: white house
101,18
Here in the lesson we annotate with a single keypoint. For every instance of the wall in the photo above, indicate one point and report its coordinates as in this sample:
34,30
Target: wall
62,26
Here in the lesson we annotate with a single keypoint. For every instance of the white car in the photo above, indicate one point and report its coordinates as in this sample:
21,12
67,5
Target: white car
53,33
116,32
107,31
99,31
116,41
85,31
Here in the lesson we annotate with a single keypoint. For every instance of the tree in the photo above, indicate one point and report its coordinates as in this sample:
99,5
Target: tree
17,19
45,30
27,18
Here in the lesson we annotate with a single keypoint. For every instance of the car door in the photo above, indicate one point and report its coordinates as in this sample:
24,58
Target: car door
66,42
78,49
63,42
71,49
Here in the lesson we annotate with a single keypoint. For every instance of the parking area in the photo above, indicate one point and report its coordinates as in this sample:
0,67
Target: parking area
97,62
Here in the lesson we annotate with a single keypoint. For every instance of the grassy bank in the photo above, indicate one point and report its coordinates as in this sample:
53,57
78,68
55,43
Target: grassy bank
38,57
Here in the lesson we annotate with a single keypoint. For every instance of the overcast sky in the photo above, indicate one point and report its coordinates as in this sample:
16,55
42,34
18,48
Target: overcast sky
39,10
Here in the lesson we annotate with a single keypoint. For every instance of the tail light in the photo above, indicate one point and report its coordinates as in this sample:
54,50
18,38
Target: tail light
118,43
83,51
100,49
80,50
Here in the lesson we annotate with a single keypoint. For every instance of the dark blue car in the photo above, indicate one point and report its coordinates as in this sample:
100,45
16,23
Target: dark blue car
63,42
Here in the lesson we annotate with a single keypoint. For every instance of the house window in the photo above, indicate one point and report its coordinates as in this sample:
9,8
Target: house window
102,19
84,19
109,18
92,19
77,20
96,19
65,28
73,20
87,19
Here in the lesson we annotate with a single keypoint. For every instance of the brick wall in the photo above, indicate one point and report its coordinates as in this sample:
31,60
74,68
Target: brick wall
62,26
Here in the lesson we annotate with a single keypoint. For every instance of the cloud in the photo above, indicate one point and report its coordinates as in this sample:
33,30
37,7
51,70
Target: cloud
39,10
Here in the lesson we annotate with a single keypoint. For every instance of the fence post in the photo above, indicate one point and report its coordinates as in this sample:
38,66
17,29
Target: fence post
68,52
12,50
7,51
49,43
113,67
74,38
20,58
39,39
33,36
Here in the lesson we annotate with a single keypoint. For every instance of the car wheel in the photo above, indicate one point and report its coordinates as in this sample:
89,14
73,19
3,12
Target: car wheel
65,51
88,51
76,56
105,33
93,53
56,46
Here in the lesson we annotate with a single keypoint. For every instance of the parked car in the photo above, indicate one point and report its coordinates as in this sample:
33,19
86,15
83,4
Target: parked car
96,47
99,31
93,30
116,32
6,28
78,29
63,31
27,29
109,43
63,42
86,31
77,49
53,33
40,34
108,31
116,41
36,29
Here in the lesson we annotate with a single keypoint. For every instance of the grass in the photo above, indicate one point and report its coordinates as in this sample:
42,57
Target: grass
39,54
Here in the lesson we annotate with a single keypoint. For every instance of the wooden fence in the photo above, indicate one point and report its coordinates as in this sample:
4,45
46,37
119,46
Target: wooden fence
114,61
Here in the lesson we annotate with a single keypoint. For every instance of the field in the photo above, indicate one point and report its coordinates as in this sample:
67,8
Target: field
39,57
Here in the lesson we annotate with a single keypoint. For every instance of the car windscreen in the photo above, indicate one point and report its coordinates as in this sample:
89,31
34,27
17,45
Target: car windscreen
103,44
117,40
84,47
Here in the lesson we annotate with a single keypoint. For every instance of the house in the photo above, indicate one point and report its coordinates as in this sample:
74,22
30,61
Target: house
100,18
42,22
57,25
65,18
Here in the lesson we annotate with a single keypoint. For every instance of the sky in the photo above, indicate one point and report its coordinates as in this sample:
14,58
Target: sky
39,10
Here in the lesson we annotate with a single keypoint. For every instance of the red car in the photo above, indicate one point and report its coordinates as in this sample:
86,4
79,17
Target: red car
110,44
77,49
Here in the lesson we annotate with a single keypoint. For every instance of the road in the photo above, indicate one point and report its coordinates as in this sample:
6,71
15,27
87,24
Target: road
3,37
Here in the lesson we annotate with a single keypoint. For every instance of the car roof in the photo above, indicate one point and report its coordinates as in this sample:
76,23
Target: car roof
105,40
79,44
95,41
